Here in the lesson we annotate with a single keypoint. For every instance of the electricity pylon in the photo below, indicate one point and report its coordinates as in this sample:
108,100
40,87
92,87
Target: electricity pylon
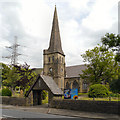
15,54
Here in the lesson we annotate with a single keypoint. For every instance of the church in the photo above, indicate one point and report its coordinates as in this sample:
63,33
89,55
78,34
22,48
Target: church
55,76
54,62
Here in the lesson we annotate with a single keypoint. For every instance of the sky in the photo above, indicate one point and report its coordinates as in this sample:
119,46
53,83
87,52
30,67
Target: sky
82,24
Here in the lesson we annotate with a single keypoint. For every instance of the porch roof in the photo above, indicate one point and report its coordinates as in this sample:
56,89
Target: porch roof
49,82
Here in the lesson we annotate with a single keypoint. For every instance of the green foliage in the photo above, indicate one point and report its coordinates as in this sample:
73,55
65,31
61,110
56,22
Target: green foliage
26,76
26,90
44,95
112,41
98,91
21,76
8,75
102,66
80,94
114,94
115,85
6,92
45,100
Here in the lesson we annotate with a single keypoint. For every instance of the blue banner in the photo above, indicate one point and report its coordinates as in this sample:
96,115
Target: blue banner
74,93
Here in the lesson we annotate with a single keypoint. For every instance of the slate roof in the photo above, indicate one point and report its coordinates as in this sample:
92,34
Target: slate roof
74,71
50,84
55,40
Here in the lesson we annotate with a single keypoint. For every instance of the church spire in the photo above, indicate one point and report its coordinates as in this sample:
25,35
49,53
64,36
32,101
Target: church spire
55,40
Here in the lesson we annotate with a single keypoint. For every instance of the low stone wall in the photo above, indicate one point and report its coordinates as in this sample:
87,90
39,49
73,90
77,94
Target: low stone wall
110,107
13,101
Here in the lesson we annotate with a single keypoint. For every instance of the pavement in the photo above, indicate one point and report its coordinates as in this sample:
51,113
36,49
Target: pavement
72,113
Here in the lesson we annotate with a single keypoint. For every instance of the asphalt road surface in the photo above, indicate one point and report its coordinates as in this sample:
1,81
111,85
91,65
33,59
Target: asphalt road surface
13,113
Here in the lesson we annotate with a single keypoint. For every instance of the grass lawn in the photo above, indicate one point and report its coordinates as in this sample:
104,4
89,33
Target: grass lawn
82,96
100,99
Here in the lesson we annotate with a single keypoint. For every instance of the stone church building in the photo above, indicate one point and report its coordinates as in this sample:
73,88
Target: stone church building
55,76
54,63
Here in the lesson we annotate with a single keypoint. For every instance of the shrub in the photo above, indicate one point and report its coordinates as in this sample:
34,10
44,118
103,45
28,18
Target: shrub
114,94
6,92
44,95
115,86
98,91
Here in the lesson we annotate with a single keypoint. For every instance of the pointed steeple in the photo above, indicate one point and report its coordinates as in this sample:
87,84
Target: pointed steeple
55,40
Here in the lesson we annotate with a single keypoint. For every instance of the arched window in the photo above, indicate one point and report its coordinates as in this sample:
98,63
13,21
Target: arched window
60,59
52,58
67,85
84,85
49,59
75,85
57,60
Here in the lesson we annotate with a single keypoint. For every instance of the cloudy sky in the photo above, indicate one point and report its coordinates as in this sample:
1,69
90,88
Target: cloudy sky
82,24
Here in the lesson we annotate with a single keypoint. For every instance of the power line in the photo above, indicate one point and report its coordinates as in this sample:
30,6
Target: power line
14,55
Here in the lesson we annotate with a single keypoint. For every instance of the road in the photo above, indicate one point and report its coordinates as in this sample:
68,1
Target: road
14,113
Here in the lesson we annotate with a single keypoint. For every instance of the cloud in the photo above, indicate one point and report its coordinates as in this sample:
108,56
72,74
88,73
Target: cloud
101,17
85,32
82,24
31,27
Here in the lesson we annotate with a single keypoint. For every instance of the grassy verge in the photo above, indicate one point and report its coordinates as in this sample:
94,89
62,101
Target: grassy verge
100,99
82,94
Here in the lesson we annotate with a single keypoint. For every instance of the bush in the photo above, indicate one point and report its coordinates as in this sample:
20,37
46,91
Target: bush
114,94
6,92
115,86
44,95
98,91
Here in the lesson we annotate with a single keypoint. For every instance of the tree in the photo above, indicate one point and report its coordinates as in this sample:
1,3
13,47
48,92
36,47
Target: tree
4,71
102,66
8,75
115,86
26,76
21,75
112,41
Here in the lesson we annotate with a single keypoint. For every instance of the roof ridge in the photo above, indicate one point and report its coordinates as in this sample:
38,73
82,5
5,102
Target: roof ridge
76,65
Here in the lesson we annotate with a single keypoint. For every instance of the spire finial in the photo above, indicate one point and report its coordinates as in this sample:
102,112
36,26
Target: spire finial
55,6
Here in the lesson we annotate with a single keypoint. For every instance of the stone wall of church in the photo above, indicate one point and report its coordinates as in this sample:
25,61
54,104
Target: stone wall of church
76,82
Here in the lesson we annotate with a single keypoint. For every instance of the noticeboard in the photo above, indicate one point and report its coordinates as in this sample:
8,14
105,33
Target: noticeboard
70,93
74,93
